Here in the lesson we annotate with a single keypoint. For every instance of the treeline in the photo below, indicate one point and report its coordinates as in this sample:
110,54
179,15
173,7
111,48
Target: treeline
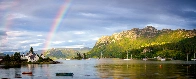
14,59
80,56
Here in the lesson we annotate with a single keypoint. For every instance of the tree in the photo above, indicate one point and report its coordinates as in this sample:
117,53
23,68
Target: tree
16,57
6,58
31,50
79,57
84,56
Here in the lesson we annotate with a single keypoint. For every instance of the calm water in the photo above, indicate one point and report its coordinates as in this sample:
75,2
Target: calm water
106,69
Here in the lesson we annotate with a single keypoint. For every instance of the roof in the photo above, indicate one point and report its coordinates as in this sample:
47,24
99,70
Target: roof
32,56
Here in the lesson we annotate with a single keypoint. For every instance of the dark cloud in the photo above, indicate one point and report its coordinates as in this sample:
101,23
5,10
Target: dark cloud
91,18
2,33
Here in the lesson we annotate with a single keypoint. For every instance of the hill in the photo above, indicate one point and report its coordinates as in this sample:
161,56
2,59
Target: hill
148,42
57,53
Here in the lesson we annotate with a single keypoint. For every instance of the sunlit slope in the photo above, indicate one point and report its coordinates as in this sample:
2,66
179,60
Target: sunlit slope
134,41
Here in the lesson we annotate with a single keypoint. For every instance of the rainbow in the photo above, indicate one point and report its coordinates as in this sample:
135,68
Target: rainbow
61,13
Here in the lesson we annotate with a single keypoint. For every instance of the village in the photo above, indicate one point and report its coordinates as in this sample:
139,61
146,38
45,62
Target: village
29,57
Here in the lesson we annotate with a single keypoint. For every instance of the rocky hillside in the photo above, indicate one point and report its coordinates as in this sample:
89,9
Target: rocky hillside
118,44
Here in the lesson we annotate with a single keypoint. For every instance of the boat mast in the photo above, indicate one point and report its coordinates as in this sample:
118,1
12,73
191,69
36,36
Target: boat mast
101,54
127,55
187,56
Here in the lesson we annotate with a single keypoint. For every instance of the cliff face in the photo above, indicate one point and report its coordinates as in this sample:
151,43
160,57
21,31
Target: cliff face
136,39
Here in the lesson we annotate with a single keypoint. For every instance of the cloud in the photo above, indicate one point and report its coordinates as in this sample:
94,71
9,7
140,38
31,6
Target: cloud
79,32
36,44
58,42
70,40
74,46
2,33
17,15
39,35
84,22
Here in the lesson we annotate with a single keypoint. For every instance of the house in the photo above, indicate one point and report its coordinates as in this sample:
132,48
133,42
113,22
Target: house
42,56
31,57
1,56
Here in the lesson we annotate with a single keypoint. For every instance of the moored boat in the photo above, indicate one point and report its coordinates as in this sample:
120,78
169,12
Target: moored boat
145,59
18,76
26,72
163,59
194,59
67,59
64,74
127,59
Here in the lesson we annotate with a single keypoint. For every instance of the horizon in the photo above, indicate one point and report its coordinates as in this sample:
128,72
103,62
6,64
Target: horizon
50,24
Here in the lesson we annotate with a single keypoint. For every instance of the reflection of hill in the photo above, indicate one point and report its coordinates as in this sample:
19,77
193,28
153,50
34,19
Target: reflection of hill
142,70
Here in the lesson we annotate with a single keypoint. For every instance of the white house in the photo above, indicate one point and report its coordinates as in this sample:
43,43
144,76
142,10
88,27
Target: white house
31,57
42,56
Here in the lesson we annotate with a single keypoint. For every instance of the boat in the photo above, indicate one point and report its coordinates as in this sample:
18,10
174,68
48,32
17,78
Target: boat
5,78
64,74
127,59
194,59
18,76
163,59
144,59
67,59
26,72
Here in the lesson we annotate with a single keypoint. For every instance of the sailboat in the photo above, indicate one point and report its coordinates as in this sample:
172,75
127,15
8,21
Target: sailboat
145,59
127,57
194,59
100,56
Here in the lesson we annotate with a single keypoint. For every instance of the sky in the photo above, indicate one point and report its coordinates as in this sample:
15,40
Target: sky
44,24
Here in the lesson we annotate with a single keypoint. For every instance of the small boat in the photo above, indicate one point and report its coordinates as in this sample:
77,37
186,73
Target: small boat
64,74
127,59
145,59
163,59
26,72
18,76
67,59
5,78
194,59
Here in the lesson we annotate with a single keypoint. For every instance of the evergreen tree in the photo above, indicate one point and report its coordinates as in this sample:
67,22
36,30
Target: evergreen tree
31,50
6,58
84,56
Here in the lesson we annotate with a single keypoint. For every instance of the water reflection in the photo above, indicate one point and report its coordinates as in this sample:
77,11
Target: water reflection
135,69
105,69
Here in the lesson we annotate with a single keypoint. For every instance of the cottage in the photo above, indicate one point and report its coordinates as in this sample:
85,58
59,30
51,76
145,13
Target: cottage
1,56
31,57
42,56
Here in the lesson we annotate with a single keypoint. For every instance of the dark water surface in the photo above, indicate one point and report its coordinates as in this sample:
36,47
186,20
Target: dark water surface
106,69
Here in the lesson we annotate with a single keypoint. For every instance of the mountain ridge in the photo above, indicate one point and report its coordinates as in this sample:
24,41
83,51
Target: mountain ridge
138,39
